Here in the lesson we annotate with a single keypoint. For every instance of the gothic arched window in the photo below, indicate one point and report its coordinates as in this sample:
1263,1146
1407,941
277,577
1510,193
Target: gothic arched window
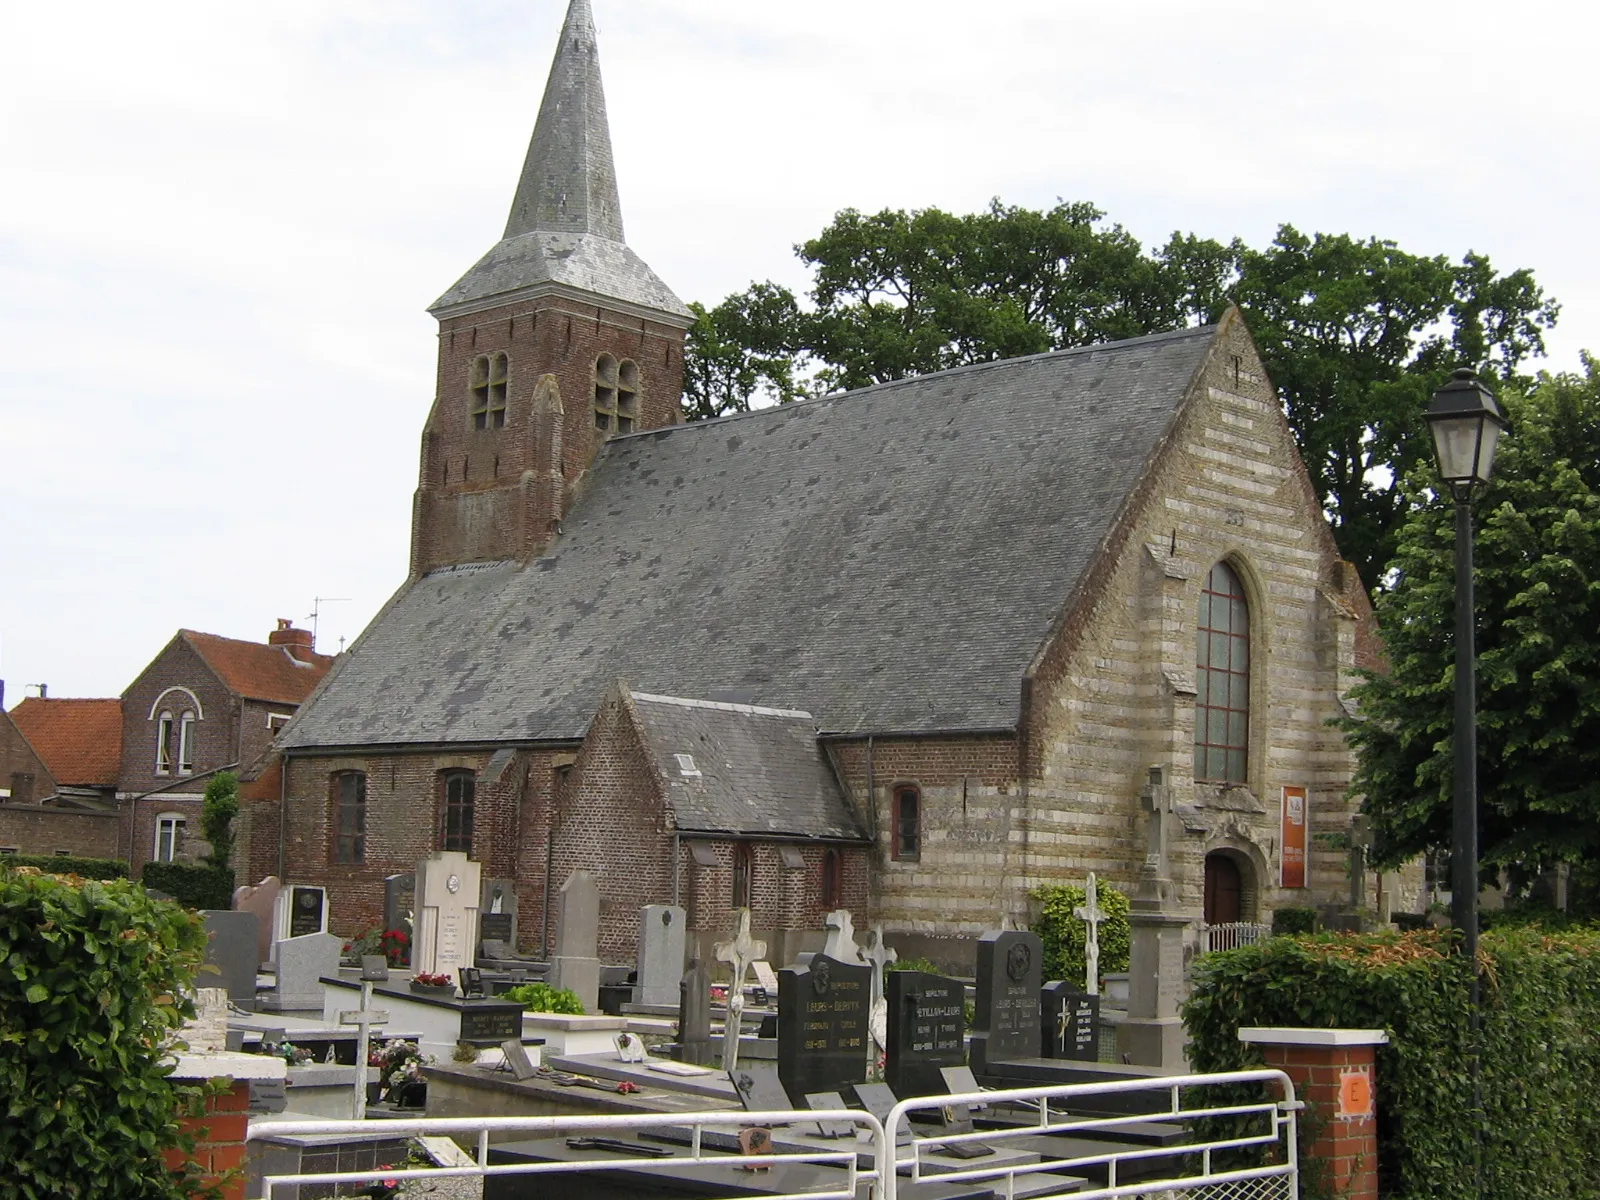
1222,680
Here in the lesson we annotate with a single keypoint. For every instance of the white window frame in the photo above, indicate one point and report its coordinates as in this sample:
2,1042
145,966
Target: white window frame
163,744
276,721
186,734
170,826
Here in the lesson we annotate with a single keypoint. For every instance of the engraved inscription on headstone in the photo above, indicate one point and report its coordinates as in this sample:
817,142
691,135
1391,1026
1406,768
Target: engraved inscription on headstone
447,913
495,927
306,911
822,1026
491,1022
1006,1024
1071,1022
926,1030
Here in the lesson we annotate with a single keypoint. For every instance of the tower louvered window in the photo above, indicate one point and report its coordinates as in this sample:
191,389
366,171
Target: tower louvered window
616,395
491,376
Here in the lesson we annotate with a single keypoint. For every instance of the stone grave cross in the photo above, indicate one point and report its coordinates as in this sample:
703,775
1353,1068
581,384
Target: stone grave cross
374,969
878,957
738,954
841,945
1091,914
1155,886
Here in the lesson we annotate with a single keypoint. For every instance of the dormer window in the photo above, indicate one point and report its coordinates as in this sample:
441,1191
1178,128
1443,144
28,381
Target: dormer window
491,373
616,395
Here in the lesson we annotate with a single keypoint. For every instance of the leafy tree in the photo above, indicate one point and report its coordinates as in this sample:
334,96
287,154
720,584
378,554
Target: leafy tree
1538,627
217,812
1356,334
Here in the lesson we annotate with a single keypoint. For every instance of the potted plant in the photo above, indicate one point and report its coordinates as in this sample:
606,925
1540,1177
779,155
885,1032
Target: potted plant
426,983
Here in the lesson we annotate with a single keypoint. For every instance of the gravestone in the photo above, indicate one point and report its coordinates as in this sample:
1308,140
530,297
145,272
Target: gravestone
927,1025
517,1059
822,1026
232,939
1091,914
878,957
841,944
301,963
301,909
1007,1023
262,899
759,1088
447,913
576,965
1071,1022
497,911
694,1014
662,928
399,901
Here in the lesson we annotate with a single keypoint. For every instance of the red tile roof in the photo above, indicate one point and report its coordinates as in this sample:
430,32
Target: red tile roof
80,741
259,672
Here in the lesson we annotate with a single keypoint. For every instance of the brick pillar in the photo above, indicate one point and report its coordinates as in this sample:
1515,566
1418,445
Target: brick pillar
219,1132
1335,1076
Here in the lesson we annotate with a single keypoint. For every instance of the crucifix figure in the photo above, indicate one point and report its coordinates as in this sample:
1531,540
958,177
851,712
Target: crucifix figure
841,945
879,957
738,954
1091,914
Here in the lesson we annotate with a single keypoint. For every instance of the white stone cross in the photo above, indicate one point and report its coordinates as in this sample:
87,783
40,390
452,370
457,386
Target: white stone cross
1091,914
841,944
879,957
738,954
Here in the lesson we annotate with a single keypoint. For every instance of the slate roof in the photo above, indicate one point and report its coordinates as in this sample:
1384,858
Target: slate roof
257,671
890,560
565,225
79,741
752,771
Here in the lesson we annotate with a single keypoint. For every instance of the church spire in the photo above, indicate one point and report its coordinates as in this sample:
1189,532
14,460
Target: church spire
569,182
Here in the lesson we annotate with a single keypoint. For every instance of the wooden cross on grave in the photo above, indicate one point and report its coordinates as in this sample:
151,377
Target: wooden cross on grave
1091,914
738,954
879,957
374,969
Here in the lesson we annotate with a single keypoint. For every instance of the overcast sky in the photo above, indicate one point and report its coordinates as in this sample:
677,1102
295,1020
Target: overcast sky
221,223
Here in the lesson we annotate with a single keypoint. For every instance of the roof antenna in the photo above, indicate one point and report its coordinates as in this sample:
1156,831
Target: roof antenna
316,615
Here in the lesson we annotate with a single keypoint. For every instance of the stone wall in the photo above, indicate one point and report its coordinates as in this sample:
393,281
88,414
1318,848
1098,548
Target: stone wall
38,829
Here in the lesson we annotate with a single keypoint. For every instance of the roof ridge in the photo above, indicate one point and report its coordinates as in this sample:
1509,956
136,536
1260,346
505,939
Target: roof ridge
722,705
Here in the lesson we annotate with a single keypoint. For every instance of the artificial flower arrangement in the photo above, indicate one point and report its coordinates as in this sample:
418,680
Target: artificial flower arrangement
399,1065
433,979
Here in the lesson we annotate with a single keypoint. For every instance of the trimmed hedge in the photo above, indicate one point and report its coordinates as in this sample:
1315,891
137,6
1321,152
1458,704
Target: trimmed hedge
64,864
1293,920
1540,1059
88,975
191,886
1065,936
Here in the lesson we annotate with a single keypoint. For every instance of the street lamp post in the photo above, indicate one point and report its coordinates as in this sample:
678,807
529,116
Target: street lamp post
1466,425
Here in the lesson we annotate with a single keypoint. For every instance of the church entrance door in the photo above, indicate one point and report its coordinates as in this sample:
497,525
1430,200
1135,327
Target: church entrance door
1224,890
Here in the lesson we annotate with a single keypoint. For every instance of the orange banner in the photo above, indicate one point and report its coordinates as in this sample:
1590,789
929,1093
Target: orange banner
1292,861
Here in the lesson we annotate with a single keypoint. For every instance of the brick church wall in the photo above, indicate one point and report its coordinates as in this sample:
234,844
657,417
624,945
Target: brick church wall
35,829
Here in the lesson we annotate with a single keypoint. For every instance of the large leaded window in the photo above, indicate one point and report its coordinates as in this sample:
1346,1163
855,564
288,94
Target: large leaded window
460,795
350,816
1222,680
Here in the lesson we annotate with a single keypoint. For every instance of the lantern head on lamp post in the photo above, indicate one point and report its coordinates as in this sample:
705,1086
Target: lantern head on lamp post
1466,425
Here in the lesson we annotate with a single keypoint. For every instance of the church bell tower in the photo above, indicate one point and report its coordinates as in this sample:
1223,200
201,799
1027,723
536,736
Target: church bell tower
558,339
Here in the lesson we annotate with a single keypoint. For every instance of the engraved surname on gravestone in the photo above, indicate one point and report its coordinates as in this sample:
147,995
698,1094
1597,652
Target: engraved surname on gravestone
822,1025
1071,1022
926,1031
490,1022
447,913
307,911
1006,1024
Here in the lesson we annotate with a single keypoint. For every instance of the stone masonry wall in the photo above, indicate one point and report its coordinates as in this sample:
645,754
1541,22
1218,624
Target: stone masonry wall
34,829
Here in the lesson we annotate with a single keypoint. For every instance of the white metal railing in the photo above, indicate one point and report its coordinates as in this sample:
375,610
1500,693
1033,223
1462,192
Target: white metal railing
1185,1169
696,1154
1233,934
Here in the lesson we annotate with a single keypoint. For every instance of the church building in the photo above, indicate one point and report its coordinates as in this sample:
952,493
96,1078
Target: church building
912,650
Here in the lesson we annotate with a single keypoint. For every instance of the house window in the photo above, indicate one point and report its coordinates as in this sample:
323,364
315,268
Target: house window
350,817
490,375
460,791
276,721
907,831
186,734
832,880
1222,679
169,835
164,744
744,873
616,394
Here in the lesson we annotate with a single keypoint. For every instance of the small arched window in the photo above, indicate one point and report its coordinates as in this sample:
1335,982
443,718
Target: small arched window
616,394
491,375
460,797
1222,680
832,880
350,817
744,875
906,831
164,744
186,735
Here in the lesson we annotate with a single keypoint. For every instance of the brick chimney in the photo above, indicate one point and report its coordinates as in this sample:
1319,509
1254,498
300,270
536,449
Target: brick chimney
296,641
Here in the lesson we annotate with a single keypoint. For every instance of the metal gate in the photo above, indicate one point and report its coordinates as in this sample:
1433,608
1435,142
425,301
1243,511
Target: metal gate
1238,1143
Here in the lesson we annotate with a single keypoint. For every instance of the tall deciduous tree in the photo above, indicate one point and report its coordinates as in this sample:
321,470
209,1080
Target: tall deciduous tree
1538,636
1356,334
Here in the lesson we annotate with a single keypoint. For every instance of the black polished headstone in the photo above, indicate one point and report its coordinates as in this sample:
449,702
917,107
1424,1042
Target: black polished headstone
488,1021
822,1026
694,1015
305,910
497,927
1071,1022
759,1087
1006,1023
926,1031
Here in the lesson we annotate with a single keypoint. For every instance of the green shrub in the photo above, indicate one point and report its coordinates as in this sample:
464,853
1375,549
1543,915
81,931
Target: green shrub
1064,935
915,964
88,975
192,886
1540,1055
62,864
216,816
1293,920
541,997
